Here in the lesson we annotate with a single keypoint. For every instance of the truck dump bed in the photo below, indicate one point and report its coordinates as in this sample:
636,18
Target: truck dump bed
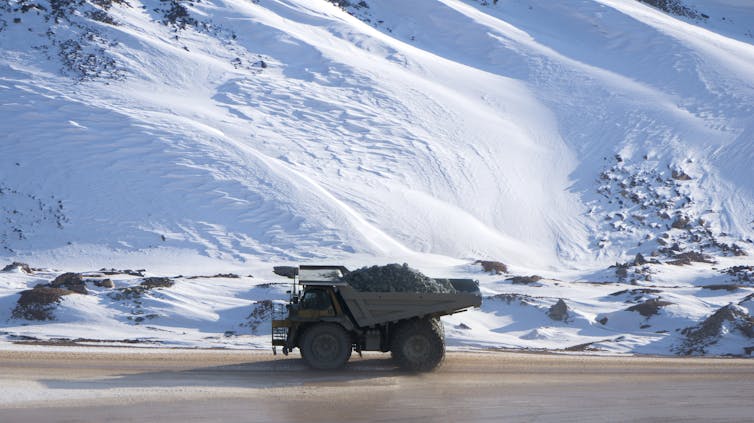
371,308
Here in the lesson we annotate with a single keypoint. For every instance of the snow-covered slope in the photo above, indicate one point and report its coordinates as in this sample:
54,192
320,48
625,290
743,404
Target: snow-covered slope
557,137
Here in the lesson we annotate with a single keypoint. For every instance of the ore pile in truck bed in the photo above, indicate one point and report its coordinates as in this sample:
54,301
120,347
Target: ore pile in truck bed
395,278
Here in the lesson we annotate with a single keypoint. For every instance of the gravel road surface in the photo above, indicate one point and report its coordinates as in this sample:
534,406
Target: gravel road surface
40,384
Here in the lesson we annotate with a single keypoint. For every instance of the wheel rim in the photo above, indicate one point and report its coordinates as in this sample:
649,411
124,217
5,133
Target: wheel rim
325,347
416,348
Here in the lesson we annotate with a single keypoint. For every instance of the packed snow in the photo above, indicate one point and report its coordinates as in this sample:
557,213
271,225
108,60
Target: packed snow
604,146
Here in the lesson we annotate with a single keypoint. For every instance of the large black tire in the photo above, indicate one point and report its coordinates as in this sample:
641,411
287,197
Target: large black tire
326,346
418,345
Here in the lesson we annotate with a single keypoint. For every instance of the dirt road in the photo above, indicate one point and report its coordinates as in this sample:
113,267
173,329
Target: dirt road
93,385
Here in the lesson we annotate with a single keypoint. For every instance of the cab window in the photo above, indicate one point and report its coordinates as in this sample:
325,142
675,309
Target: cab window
316,299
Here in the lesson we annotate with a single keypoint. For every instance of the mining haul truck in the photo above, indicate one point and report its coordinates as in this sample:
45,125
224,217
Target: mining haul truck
327,319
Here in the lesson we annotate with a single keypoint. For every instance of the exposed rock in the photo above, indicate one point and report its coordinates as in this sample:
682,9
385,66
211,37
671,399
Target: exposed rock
727,319
558,311
104,283
128,293
721,286
524,280
741,273
681,222
689,257
110,272
509,298
135,292
150,283
17,266
588,346
71,281
676,7
637,291
39,303
218,275
261,312
650,307
680,175
494,267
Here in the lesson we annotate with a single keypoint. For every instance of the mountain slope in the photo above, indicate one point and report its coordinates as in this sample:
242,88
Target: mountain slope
601,149
287,130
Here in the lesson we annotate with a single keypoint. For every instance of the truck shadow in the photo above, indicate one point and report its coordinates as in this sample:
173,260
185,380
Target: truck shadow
291,371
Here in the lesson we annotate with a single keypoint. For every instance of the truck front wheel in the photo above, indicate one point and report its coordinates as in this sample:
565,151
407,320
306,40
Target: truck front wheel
326,346
418,345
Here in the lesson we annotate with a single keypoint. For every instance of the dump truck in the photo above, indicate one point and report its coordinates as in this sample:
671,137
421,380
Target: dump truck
327,319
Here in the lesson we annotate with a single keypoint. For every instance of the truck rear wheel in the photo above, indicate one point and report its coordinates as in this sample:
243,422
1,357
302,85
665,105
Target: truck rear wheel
418,345
326,346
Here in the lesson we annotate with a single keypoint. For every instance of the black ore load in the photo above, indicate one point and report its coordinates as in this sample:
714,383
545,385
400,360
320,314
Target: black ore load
395,278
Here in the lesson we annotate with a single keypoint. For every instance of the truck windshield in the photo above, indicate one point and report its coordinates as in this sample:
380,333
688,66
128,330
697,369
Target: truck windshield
319,275
316,299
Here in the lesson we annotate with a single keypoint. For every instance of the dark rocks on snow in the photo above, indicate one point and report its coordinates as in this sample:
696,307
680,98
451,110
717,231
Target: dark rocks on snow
676,7
738,251
524,280
16,265
747,298
134,292
71,281
558,311
39,303
721,286
177,15
494,267
103,283
650,307
128,293
727,319
110,272
741,273
637,291
621,270
150,283
689,257
218,275
680,175
509,298
395,278
681,222
261,312
588,346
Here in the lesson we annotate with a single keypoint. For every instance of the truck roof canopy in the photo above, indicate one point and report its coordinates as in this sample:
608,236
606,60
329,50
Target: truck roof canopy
321,275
